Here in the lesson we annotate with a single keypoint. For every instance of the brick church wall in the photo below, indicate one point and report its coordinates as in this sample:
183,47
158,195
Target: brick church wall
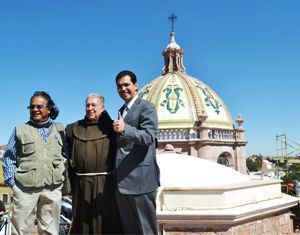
279,225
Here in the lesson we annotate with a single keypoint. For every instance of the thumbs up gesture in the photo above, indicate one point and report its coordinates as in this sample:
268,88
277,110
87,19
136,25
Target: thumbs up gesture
119,125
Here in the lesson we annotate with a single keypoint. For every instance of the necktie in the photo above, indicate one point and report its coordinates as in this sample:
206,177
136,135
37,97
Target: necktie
125,112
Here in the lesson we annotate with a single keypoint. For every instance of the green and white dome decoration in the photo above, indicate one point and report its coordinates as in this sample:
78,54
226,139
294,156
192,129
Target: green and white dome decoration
183,101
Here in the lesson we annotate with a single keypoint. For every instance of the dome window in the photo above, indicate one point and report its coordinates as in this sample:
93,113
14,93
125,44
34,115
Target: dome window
223,160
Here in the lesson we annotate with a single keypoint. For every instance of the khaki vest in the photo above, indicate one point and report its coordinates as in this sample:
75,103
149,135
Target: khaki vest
39,164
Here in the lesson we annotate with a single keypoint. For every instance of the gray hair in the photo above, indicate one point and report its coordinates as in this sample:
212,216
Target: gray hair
100,97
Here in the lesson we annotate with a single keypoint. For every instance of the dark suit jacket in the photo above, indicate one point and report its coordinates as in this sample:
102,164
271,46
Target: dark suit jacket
136,168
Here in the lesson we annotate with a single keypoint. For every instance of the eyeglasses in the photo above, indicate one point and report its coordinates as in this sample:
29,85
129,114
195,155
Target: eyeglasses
38,106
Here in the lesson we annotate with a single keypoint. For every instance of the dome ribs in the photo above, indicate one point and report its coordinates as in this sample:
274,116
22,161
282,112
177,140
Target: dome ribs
199,109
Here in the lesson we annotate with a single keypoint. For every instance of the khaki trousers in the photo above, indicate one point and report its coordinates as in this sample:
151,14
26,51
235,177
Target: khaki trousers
42,204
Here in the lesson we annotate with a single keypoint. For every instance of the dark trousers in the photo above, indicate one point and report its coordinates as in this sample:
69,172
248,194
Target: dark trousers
138,213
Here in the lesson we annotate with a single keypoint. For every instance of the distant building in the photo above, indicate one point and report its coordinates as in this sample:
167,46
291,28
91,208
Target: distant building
2,148
6,193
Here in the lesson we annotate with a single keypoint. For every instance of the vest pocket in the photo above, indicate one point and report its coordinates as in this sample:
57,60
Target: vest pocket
58,170
26,175
28,148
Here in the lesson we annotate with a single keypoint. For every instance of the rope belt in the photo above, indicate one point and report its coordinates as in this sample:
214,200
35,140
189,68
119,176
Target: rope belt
94,174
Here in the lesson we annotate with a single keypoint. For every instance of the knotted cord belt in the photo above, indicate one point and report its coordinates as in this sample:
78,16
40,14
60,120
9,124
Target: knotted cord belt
94,174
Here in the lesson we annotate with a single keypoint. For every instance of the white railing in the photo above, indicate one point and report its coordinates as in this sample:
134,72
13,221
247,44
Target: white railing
178,134
221,134
196,134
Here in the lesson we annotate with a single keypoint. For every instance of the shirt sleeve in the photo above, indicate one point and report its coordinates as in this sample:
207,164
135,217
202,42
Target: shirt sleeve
9,160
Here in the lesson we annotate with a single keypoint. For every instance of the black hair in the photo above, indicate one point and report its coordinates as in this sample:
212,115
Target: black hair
129,73
50,103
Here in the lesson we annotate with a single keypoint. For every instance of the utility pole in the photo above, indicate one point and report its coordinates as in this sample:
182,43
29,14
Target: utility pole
285,149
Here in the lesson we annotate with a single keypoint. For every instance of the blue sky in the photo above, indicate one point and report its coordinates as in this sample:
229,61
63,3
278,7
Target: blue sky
248,51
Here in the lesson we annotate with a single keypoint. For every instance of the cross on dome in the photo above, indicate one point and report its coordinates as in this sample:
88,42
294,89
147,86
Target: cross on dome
172,17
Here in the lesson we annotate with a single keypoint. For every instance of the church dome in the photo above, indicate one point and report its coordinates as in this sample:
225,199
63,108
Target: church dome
182,101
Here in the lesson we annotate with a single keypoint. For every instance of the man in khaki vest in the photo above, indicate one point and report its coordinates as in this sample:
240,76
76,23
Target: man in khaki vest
33,166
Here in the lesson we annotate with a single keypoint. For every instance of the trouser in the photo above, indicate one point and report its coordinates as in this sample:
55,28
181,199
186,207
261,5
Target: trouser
138,213
43,204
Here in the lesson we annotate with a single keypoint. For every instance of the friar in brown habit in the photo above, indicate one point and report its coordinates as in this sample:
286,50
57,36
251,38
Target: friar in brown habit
91,147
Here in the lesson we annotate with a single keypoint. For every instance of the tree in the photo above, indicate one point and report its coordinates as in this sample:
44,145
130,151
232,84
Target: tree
254,163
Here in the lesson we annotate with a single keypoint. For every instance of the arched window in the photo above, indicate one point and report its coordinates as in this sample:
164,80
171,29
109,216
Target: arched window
223,160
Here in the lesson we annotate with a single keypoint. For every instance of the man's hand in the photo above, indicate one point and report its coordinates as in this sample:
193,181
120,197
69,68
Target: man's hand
119,125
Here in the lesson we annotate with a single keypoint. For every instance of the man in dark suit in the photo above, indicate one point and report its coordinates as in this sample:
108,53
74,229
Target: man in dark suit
136,169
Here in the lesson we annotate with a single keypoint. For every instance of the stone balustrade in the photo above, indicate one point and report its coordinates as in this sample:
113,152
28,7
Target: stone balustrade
178,134
197,133
221,134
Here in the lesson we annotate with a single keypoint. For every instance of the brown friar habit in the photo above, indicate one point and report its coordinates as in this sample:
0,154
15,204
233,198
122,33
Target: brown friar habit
91,146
